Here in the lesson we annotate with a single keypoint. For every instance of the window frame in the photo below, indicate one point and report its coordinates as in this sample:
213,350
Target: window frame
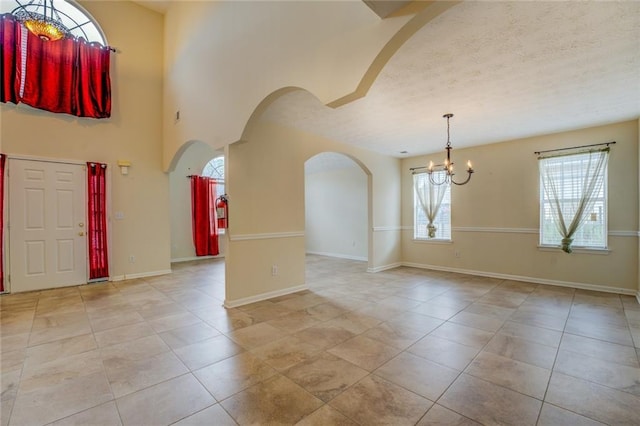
219,171
423,237
578,244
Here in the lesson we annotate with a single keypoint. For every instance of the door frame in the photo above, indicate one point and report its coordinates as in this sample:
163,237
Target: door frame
7,243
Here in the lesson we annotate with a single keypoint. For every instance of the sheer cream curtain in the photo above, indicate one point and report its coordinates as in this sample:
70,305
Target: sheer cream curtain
430,197
571,200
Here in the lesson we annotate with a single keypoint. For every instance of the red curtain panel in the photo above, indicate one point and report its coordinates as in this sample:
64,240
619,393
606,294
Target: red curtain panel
10,58
205,229
50,74
93,86
97,226
67,76
2,162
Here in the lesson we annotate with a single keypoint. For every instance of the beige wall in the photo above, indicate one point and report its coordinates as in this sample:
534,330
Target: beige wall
266,209
134,133
496,214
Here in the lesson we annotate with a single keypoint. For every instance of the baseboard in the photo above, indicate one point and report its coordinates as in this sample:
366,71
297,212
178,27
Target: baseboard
638,297
384,267
263,296
139,275
339,256
582,286
189,259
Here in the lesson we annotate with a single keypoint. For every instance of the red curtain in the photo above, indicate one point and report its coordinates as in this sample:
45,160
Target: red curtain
50,74
65,76
93,86
2,162
97,226
10,58
203,206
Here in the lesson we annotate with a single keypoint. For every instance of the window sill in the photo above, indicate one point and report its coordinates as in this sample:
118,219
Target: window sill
577,250
432,241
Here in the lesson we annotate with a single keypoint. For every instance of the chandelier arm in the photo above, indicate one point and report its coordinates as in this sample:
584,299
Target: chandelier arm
466,181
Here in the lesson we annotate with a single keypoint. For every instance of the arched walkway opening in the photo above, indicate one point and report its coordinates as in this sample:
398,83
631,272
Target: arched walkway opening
336,207
195,158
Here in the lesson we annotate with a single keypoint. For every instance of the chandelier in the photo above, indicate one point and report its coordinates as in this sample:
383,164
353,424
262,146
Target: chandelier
42,19
447,167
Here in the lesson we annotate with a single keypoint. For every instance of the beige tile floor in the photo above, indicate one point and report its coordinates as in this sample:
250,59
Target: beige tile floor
399,347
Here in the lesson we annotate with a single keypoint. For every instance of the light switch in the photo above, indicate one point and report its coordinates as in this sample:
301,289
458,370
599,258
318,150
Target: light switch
119,215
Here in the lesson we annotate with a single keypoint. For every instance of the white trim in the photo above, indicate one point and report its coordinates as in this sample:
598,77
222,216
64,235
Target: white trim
488,229
431,241
386,228
338,255
577,250
638,296
624,234
189,259
140,275
46,159
584,286
384,267
263,296
494,230
249,237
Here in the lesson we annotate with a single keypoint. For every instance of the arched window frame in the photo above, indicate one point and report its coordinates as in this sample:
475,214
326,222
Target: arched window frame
73,16
215,170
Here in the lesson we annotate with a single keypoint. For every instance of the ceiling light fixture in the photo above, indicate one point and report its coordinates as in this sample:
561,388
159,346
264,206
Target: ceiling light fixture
42,19
447,167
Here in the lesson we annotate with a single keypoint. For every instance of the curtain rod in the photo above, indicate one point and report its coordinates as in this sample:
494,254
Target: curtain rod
190,176
575,147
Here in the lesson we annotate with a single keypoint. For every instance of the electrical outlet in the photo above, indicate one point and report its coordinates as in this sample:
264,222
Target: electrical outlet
132,259
274,270
457,254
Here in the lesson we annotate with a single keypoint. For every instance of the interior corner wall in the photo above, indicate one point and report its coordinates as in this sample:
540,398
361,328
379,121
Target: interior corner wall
336,213
133,133
495,218
191,162
266,210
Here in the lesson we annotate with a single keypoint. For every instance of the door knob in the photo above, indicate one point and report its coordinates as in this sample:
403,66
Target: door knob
81,225
81,234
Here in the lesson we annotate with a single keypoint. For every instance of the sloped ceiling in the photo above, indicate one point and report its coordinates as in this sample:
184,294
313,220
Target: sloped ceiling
507,70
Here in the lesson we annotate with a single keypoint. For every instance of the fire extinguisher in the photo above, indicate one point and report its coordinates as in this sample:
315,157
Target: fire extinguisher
222,211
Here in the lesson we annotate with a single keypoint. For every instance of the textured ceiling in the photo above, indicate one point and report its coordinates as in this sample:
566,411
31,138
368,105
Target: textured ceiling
507,70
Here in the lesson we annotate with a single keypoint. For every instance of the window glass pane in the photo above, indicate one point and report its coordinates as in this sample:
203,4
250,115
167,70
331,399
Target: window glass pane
569,171
442,221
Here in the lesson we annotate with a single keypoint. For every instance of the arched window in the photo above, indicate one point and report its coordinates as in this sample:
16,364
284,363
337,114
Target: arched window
68,17
215,169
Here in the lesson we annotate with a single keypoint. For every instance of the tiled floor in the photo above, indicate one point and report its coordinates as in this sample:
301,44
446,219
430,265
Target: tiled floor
404,346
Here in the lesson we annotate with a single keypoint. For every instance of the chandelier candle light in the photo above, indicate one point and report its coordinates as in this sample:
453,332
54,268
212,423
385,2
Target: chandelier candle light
447,167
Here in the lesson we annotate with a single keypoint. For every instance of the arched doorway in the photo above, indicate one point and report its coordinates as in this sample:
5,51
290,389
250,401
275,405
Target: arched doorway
195,158
336,207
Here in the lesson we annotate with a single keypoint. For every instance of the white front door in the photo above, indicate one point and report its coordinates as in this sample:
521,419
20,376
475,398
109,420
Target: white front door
47,225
